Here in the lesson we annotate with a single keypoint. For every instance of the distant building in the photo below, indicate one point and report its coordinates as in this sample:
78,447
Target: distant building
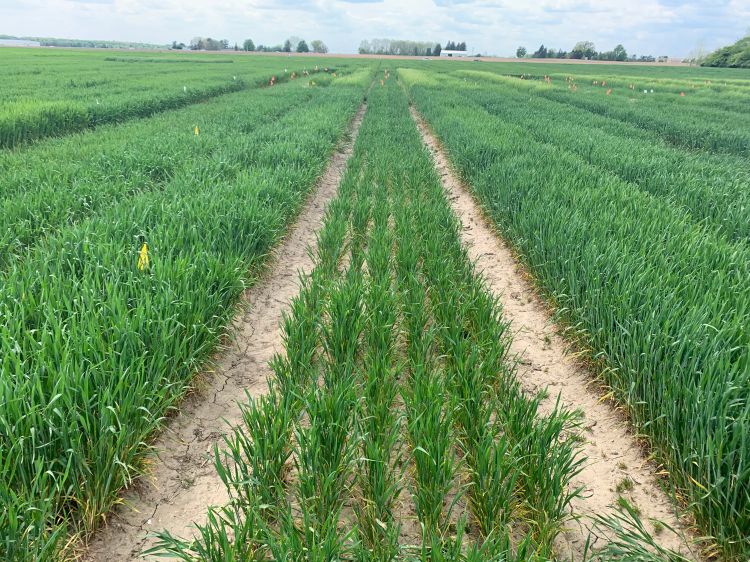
663,58
445,53
19,43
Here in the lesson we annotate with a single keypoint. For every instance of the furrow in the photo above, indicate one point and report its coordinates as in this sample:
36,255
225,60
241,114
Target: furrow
614,456
182,484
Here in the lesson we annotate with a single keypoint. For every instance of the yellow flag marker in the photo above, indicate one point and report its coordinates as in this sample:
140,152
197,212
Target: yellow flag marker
143,259
196,131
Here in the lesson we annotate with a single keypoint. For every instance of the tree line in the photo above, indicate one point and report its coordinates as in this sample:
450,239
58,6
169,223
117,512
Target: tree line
85,43
292,44
206,44
451,46
584,50
732,56
405,47
298,45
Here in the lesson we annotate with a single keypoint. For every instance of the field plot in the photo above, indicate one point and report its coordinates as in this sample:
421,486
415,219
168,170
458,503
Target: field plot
712,188
111,304
394,427
397,422
55,93
183,481
644,253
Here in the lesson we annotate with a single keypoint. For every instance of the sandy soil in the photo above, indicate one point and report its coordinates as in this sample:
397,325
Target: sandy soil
183,482
612,451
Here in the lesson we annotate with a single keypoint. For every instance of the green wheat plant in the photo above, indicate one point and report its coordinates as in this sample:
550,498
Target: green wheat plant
646,259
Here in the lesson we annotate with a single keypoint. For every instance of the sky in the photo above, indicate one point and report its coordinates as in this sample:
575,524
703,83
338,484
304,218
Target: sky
491,27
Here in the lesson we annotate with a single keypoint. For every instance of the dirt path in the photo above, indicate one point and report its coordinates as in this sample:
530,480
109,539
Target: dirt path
183,482
613,453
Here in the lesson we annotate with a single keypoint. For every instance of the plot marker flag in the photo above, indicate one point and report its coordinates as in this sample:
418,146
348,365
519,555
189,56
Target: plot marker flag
196,131
143,259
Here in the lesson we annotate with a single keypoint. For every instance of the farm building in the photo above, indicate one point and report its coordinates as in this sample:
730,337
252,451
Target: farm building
445,53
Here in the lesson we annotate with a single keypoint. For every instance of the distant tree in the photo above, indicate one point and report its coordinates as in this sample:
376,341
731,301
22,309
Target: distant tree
620,54
293,42
520,52
561,54
261,48
736,55
177,46
302,47
437,50
287,46
396,47
225,43
583,50
540,53
617,54
318,46
698,54
236,47
248,45
78,43
452,46
207,44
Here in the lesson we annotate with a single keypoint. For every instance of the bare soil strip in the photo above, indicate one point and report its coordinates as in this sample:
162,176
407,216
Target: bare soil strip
183,482
613,453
